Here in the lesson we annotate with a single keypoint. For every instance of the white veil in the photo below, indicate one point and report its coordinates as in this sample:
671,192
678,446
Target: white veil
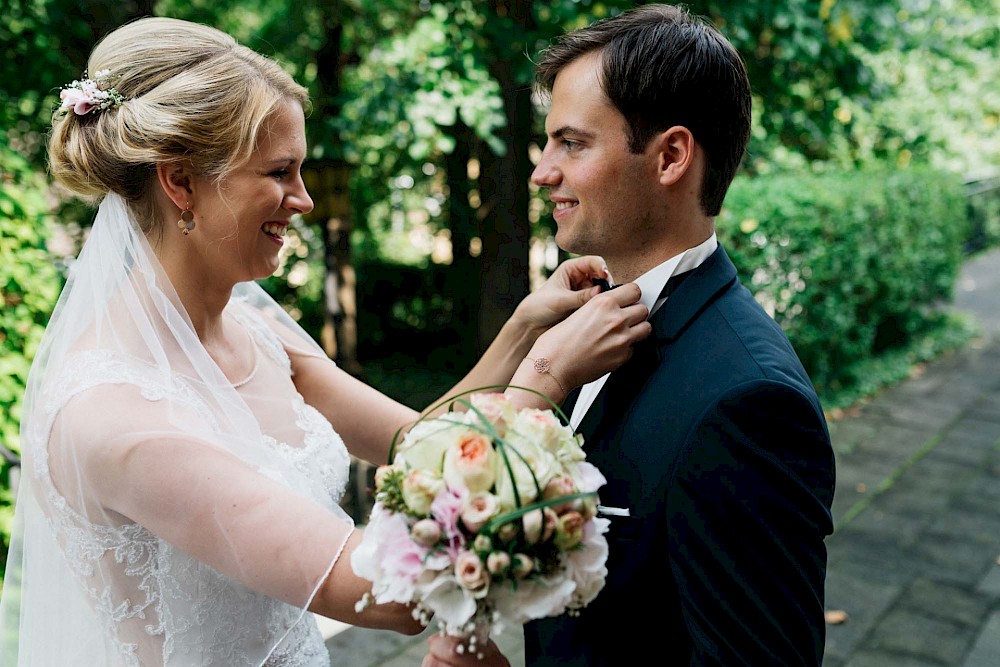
163,516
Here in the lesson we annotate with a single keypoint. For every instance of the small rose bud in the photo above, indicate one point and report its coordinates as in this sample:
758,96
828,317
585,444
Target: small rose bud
551,521
482,543
533,522
522,565
507,532
498,562
569,530
426,532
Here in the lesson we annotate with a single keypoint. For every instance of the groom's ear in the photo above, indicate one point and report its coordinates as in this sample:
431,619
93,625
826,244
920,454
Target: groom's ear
675,149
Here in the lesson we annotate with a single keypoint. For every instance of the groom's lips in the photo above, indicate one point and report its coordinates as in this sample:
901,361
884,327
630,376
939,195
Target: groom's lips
564,206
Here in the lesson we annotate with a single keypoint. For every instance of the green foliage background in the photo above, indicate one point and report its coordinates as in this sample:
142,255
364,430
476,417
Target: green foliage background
905,90
29,287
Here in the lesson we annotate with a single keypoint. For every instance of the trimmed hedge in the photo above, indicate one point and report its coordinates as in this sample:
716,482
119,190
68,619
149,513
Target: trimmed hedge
850,265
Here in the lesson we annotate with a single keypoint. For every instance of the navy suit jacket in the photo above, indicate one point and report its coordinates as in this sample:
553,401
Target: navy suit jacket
713,437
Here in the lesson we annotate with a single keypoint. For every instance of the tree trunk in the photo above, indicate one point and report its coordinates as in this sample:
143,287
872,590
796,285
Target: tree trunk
464,277
332,209
504,184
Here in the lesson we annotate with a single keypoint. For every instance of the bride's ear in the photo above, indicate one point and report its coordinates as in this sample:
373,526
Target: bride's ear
177,183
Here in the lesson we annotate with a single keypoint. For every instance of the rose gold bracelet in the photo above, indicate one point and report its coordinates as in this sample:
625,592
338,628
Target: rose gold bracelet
543,366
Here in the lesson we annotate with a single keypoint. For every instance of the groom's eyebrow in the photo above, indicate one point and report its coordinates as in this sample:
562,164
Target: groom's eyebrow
570,130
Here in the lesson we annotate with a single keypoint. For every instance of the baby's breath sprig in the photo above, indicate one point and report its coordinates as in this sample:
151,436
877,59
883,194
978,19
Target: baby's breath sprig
86,95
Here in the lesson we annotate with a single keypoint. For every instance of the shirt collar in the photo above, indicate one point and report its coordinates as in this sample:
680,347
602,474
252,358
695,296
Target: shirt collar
653,281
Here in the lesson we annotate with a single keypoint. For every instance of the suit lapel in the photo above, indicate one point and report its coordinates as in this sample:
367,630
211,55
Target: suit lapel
688,297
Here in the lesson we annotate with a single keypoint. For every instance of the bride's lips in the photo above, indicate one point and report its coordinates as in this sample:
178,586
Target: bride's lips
275,230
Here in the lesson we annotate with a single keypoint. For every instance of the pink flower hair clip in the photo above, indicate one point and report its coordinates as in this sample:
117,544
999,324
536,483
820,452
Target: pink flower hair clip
86,95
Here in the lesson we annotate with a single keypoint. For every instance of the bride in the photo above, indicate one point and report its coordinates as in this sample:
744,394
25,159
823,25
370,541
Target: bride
185,443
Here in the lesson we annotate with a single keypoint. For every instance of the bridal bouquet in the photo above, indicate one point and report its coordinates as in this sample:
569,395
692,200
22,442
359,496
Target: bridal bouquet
484,517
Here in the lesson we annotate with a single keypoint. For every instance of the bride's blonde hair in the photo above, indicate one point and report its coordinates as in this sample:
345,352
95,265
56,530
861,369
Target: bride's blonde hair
193,94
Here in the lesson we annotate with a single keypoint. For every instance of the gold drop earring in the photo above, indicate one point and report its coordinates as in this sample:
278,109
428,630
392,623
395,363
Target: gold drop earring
186,223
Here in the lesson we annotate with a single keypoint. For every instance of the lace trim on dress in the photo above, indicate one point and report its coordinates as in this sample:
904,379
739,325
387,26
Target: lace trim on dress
159,577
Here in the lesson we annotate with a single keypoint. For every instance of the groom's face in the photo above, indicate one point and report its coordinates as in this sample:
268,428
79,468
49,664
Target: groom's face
601,190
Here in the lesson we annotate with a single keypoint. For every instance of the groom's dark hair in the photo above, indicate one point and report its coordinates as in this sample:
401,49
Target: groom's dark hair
663,67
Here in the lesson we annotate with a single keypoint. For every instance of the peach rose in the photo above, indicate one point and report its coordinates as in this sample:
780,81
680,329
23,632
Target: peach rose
470,463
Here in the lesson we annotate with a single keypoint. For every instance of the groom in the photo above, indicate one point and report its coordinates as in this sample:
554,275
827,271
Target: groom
712,438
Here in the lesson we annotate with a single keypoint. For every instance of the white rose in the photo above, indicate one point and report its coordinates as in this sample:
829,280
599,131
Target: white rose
424,445
419,490
538,426
524,457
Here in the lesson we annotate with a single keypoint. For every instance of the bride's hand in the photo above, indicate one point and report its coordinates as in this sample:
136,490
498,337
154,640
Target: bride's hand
595,339
568,288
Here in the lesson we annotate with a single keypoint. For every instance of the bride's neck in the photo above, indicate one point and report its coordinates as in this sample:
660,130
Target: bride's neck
203,297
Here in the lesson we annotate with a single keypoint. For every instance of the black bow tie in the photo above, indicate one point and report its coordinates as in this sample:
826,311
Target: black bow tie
668,289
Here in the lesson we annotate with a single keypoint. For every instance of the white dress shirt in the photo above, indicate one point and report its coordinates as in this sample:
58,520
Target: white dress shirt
650,284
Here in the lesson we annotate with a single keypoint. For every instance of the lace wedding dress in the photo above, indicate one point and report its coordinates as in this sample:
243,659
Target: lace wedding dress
168,516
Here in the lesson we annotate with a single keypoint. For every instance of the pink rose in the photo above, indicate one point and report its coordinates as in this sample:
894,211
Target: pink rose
479,509
496,408
559,486
471,573
470,463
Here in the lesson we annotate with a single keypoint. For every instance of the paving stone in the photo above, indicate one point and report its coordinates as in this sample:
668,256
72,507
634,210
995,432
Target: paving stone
902,529
864,599
986,650
921,637
939,475
847,434
988,410
886,659
857,556
960,561
990,583
961,448
973,429
909,498
930,412
946,602
363,647
968,521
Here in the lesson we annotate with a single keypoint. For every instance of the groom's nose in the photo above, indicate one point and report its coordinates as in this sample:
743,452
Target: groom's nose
546,174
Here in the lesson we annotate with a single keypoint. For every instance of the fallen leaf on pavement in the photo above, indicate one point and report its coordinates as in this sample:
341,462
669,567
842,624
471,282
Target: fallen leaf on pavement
835,616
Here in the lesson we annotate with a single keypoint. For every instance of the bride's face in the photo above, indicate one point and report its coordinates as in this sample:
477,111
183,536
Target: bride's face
241,224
